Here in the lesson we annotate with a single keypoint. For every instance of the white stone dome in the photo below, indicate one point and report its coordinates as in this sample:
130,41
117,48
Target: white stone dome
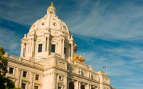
50,23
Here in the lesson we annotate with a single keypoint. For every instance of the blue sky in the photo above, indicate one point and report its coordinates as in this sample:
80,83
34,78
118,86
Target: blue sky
108,33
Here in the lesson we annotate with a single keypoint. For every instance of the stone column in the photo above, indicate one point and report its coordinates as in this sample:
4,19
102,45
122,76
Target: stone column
31,78
25,49
62,48
79,85
30,48
16,76
22,46
88,86
54,81
33,48
72,50
48,45
76,85
65,81
100,73
69,52
55,77
19,77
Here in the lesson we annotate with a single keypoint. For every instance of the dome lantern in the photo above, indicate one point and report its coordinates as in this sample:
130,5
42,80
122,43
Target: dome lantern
47,36
51,9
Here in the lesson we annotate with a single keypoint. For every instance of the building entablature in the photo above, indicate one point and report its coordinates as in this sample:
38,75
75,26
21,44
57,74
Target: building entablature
24,62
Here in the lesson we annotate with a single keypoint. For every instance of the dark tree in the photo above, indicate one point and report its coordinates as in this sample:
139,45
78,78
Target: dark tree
5,83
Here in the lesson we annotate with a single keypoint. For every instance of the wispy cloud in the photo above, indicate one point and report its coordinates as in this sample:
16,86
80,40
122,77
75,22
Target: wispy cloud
110,21
9,40
10,35
122,59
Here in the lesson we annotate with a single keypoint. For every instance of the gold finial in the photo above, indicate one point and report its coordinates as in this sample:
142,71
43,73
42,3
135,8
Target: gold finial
51,8
52,4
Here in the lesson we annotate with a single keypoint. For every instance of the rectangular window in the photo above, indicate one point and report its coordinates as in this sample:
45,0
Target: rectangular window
24,73
35,87
59,87
36,77
40,48
23,86
11,70
52,48
65,50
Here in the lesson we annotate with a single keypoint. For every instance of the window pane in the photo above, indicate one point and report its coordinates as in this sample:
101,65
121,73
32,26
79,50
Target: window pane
35,87
40,48
10,70
23,85
59,87
52,48
65,50
37,77
24,73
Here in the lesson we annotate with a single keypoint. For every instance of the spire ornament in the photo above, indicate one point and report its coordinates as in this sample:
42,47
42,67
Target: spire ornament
52,4
51,9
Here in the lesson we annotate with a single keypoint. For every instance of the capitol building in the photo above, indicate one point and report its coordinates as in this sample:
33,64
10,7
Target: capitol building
49,59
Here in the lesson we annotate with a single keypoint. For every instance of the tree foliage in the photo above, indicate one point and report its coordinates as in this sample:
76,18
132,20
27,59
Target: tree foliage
5,83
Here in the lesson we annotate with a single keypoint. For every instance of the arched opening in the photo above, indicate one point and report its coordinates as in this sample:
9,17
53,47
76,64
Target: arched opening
71,85
82,87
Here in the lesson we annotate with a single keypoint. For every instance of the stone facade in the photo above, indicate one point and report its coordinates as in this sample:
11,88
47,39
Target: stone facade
46,59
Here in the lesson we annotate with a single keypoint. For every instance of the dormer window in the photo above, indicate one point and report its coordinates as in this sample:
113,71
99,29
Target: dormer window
81,72
42,23
60,78
53,48
40,48
54,24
